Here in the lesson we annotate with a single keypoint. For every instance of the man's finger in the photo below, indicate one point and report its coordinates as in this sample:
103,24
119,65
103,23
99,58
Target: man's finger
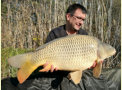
45,64
52,68
56,69
101,61
94,64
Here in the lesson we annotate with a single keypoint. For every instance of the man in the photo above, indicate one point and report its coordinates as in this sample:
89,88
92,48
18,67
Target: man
75,17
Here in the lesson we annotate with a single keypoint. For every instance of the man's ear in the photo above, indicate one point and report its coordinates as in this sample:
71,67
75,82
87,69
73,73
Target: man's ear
68,16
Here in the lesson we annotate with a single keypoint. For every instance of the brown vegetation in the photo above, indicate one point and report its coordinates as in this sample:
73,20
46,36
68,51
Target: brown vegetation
26,23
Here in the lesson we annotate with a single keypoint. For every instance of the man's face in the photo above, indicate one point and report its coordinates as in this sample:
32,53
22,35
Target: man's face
76,20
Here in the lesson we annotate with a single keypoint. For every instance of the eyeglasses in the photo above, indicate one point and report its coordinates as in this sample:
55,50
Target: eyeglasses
78,18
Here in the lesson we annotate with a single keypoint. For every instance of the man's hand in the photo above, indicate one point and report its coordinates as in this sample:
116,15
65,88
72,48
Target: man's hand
94,64
52,67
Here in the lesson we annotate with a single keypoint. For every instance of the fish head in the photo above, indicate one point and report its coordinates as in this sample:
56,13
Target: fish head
105,51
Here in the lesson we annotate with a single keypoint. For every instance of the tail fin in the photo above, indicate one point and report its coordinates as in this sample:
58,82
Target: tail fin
18,60
24,72
26,65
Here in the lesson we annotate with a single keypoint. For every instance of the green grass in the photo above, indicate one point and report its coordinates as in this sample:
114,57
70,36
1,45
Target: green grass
6,69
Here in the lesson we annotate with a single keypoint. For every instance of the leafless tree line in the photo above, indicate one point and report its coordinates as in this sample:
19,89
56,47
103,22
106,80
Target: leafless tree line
26,23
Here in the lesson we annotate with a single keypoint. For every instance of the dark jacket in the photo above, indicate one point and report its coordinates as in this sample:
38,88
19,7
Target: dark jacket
61,32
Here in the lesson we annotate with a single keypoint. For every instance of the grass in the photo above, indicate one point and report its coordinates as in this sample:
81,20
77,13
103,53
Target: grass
6,69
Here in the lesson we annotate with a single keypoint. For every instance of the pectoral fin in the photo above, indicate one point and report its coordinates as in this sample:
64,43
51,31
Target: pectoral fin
25,71
97,69
75,76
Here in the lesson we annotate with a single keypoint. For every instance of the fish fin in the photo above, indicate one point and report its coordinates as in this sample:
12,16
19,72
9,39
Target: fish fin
75,76
97,70
25,71
47,68
18,60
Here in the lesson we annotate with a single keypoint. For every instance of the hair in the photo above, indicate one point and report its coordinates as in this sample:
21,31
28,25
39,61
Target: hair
72,8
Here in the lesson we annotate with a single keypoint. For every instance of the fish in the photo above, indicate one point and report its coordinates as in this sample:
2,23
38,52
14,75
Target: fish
73,53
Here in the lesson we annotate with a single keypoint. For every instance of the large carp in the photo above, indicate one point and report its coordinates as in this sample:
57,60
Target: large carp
73,53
